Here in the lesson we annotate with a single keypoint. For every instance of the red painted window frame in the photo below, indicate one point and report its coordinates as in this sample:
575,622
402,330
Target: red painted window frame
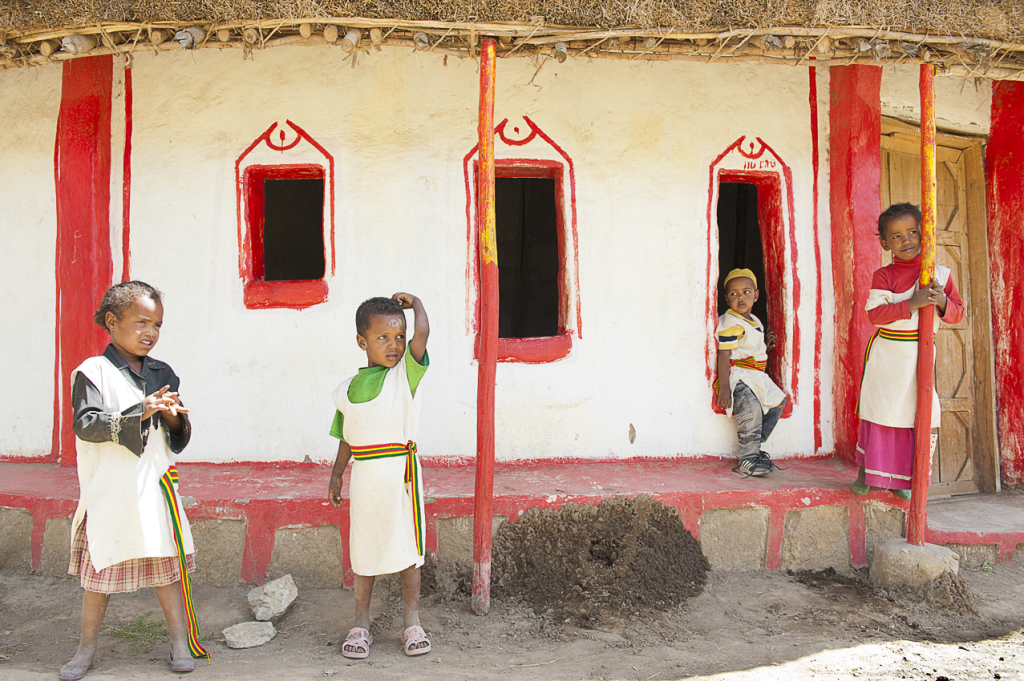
773,245
258,293
540,349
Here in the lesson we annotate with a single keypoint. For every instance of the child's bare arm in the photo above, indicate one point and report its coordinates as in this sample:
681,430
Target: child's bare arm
421,330
334,489
724,393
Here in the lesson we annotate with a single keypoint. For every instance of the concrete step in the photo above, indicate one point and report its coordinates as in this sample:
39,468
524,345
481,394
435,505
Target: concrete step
253,522
982,528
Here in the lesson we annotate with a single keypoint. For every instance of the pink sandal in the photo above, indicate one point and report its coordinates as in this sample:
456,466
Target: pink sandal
415,641
357,643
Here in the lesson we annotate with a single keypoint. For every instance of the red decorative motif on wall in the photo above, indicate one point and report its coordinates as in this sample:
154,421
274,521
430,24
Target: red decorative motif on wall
754,162
259,294
531,350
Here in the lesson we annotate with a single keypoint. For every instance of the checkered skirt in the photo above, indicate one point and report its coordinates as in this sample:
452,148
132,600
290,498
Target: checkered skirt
124,577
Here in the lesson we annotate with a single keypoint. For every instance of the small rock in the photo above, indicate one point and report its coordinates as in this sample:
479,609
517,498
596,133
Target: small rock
270,601
249,634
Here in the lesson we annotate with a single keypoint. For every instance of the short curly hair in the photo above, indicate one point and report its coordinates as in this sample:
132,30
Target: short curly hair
119,297
385,307
897,210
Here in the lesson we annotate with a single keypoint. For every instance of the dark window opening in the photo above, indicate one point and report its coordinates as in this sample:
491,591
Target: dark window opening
528,261
739,241
293,229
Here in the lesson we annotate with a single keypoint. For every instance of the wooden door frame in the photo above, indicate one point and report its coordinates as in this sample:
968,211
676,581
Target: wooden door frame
985,436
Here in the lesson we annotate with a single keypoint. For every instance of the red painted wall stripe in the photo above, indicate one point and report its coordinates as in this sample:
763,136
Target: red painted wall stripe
84,267
856,130
126,190
1005,199
812,96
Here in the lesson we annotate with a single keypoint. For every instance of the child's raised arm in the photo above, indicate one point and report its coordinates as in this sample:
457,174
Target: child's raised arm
421,330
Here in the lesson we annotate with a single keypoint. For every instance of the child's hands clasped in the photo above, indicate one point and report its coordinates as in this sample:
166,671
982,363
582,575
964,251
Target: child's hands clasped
932,294
164,402
769,340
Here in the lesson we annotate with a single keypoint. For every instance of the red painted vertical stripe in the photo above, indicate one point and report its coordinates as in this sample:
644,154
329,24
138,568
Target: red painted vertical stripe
84,266
1004,173
812,96
858,535
854,161
126,199
55,436
483,502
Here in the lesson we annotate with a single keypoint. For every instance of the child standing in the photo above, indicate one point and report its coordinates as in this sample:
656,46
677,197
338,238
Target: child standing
888,393
743,387
376,420
130,530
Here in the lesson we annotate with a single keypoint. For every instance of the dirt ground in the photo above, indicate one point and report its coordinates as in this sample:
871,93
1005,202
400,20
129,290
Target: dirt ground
739,625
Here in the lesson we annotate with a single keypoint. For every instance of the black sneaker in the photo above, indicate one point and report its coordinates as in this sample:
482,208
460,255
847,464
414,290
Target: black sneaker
754,466
767,461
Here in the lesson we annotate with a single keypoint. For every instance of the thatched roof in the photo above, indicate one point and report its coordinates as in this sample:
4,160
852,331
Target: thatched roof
999,19
976,37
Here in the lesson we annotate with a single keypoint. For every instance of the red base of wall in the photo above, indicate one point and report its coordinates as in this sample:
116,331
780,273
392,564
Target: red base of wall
268,497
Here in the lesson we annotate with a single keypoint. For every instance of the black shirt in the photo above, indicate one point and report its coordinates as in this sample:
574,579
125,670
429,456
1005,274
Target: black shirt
128,428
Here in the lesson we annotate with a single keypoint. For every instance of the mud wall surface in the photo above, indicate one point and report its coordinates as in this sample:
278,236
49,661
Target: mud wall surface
29,103
636,145
962,105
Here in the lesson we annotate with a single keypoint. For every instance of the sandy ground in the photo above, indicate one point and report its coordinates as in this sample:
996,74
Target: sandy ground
743,625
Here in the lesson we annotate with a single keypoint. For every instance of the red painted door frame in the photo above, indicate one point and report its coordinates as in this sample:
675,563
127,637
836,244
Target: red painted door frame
1005,188
855,160
84,268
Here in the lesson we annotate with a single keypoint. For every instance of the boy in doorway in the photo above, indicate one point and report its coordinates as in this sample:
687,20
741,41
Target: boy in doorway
376,419
743,388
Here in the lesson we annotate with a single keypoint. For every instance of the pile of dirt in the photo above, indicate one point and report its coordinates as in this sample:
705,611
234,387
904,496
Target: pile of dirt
444,579
585,564
947,603
947,591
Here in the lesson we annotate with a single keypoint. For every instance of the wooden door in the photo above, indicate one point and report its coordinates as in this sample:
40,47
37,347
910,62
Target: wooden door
965,460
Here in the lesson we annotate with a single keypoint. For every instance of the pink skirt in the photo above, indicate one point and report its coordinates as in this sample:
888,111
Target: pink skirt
124,577
887,455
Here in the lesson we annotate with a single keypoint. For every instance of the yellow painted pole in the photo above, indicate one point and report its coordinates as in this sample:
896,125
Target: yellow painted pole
918,518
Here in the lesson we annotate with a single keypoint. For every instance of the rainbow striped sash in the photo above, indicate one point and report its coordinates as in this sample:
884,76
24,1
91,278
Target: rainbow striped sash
167,483
749,363
745,363
887,334
890,334
412,477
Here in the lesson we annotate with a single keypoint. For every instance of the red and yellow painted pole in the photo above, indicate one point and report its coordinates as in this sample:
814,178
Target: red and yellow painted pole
482,503
918,519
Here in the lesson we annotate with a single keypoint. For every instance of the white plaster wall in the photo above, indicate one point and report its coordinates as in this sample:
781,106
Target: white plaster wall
642,136
29,102
961,104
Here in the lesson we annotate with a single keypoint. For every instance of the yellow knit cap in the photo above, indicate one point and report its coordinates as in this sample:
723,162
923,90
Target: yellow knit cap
740,273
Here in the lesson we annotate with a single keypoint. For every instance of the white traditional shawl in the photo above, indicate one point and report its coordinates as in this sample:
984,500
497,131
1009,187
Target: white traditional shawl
120,492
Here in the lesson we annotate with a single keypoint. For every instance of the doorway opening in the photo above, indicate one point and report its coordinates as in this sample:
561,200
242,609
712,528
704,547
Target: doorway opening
739,241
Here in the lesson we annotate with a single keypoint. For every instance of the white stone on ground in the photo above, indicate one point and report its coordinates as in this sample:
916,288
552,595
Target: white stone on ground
270,601
249,634
897,562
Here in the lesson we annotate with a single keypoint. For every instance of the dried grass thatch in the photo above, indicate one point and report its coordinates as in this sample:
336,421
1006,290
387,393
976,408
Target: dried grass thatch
981,38
996,19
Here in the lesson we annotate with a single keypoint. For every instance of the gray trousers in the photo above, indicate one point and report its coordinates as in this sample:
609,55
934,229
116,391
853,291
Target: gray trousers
752,426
